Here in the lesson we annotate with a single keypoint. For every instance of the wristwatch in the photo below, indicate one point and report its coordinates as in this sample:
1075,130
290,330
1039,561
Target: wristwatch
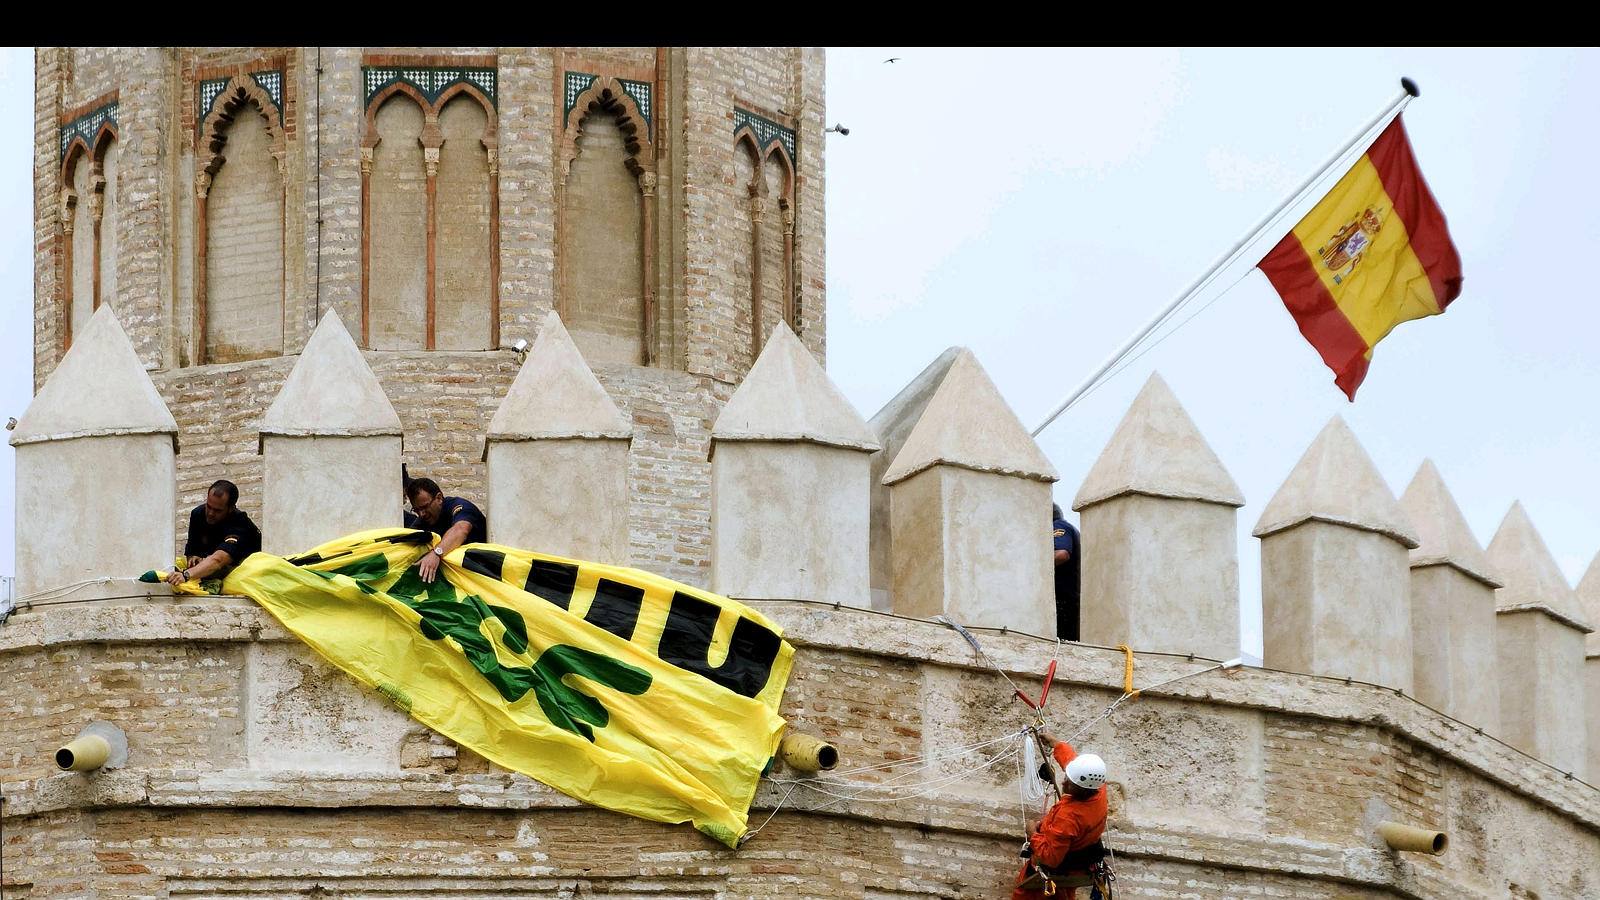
439,552
185,574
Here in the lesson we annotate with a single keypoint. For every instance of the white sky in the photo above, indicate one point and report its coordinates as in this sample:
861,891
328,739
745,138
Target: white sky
1037,206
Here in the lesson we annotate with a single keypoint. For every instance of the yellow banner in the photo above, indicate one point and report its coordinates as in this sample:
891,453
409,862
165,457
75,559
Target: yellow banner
615,686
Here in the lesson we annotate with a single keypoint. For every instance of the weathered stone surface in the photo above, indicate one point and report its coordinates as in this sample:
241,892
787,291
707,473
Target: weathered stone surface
1452,606
969,425
1161,560
1157,450
789,448
1335,481
1245,781
891,426
1335,594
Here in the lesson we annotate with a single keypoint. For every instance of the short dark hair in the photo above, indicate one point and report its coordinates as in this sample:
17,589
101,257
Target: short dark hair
418,485
1055,510
222,487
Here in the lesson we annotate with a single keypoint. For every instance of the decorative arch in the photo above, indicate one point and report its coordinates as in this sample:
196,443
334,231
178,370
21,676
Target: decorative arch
431,83
235,98
777,151
239,93
773,140
610,95
85,134
607,95
372,229
77,151
746,146
103,139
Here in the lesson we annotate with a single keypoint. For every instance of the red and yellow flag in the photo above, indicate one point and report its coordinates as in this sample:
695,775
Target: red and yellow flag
1374,253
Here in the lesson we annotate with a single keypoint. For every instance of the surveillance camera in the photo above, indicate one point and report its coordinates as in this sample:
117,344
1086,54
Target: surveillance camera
11,423
840,128
521,346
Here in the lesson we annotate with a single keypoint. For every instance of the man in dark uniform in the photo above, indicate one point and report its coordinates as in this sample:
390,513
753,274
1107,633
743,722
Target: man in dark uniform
1068,551
457,521
220,536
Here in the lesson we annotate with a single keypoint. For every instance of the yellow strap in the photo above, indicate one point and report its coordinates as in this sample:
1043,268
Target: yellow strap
1127,671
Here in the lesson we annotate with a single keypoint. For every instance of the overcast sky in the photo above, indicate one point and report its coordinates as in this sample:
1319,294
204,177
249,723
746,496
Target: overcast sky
1039,205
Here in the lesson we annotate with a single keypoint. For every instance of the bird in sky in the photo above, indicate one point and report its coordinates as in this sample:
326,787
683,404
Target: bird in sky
892,59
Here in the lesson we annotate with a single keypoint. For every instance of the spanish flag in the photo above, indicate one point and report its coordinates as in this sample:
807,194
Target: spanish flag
1373,253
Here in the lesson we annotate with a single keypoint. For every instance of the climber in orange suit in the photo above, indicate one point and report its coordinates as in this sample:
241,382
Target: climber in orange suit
1067,839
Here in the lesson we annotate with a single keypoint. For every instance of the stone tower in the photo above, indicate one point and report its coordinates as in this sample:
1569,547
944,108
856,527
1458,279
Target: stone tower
667,202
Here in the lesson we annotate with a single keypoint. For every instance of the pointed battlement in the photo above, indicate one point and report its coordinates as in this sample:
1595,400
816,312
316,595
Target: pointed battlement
789,449
1158,509
1335,597
557,450
97,422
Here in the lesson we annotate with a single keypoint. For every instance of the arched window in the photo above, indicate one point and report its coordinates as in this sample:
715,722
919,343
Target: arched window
90,209
764,175
606,226
430,209
462,286
397,224
239,227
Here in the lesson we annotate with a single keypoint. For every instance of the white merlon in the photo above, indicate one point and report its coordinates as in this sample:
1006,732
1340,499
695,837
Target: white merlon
1157,450
1452,606
969,506
1539,642
1160,563
1335,585
557,454
331,391
331,432
97,425
892,425
789,448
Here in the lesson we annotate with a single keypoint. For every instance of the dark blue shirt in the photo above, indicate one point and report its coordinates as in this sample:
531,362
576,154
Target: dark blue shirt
457,509
236,535
1067,580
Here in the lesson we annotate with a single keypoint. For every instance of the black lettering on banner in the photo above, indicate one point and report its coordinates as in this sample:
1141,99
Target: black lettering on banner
553,581
484,562
687,638
615,608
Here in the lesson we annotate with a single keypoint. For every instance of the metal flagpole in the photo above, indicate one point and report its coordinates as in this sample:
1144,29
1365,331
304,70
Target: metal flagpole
1390,109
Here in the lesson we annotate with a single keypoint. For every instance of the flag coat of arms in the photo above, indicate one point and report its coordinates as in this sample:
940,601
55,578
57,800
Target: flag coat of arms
1370,255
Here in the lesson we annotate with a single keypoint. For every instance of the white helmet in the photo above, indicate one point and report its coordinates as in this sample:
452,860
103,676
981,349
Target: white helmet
1087,771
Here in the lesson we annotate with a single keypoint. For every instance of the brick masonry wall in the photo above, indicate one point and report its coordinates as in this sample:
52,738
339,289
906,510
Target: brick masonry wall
462,304
244,248
397,220
445,402
193,816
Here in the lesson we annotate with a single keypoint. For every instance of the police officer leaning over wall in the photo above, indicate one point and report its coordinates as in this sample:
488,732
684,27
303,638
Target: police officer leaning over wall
220,536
